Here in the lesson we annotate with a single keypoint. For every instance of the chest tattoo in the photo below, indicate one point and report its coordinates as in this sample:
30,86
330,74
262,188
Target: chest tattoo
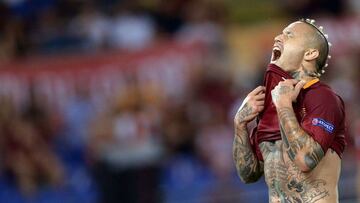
287,184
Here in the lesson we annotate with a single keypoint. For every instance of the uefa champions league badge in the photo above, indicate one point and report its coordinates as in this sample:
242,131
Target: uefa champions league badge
315,121
323,124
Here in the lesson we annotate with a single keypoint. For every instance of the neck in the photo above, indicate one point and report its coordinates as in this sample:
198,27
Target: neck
303,74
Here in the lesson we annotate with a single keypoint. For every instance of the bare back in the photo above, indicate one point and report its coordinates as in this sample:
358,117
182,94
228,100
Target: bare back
287,183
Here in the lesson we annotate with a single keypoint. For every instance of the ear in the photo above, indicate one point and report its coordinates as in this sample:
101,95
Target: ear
311,54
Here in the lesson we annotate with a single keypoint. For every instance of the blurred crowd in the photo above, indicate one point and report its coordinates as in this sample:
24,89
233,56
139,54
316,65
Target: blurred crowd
143,145
31,27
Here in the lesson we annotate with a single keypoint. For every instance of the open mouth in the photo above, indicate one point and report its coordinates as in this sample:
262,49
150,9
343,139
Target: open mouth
276,53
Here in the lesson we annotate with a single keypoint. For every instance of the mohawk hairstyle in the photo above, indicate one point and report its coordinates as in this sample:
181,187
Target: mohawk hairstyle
321,63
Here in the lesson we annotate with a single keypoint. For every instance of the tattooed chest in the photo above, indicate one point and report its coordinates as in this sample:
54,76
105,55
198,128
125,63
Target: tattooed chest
285,181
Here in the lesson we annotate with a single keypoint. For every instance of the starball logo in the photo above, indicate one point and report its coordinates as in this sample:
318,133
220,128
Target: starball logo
324,124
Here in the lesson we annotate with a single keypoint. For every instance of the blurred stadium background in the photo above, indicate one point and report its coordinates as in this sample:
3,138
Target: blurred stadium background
133,100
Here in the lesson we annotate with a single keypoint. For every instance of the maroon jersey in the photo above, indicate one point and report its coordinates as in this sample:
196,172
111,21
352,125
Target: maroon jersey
268,124
321,113
319,110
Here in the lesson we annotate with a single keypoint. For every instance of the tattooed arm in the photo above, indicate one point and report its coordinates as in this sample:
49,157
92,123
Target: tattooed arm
302,149
248,167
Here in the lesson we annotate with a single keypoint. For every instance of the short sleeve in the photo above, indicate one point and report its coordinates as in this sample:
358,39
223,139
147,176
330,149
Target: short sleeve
323,119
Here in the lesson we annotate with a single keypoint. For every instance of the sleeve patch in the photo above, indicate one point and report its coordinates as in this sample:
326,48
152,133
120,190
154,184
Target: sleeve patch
323,124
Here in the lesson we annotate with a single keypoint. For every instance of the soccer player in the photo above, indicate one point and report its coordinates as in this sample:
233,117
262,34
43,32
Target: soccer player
299,138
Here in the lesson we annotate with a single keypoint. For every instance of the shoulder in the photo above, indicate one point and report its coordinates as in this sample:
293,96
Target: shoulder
321,95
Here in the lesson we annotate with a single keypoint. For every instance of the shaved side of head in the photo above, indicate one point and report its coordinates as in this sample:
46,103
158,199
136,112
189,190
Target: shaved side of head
317,41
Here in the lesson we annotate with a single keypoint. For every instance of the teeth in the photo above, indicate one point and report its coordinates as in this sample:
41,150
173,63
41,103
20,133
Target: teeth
276,53
276,49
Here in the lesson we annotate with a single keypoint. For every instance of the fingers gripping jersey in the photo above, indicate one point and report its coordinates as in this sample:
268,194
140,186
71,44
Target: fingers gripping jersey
319,110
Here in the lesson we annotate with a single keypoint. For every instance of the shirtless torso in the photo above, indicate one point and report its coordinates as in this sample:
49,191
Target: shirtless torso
287,183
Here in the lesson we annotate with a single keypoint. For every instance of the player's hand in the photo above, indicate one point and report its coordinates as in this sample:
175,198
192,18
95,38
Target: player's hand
252,105
286,92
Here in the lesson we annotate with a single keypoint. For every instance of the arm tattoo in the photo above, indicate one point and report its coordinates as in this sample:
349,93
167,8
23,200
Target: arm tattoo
297,141
244,112
248,167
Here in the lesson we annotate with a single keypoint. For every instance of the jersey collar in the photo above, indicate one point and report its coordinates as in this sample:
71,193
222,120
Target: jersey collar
310,83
